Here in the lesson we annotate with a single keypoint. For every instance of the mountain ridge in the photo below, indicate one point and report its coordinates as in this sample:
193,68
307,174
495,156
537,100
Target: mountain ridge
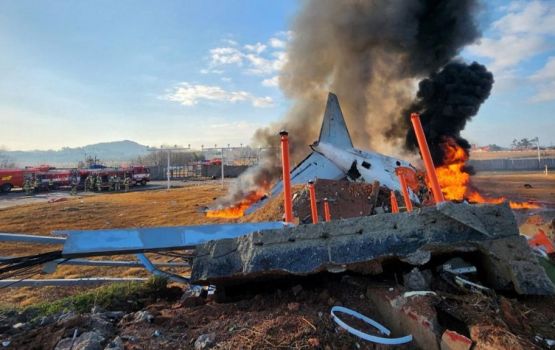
110,152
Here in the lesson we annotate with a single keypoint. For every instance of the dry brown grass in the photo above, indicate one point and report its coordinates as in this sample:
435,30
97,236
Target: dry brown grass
136,209
511,185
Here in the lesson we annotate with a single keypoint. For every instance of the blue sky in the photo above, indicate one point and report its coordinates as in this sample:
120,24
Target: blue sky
204,72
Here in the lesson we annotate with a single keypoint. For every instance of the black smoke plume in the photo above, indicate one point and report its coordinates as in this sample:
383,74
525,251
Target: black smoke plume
446,101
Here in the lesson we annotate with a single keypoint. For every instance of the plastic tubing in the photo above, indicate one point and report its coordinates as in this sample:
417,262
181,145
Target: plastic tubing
365,336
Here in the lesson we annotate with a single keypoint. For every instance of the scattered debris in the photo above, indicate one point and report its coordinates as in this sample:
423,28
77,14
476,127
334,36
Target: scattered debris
458,266
372,338
417,280
451,340
418,293
115,344
143,316
86,341
471,286
205,341
346,199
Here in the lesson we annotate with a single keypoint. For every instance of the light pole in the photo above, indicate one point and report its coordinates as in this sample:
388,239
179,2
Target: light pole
168,171
539,155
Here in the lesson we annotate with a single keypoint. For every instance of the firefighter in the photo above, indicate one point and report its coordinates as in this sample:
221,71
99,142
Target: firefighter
99,183
126,183
50,184
110,183
74,183
117,183
88,183
36,185
27,186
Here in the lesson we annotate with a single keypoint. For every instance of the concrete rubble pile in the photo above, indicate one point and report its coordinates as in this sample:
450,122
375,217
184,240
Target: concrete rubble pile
366,244
346,199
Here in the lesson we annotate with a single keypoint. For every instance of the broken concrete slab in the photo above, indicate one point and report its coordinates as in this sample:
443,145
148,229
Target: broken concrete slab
510,265
351,243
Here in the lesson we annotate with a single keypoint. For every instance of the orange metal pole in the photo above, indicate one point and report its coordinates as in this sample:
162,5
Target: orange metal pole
405,191
313,208
327,215
427,157
394,205
287,201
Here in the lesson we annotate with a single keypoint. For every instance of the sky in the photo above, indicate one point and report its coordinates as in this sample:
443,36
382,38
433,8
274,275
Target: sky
197,73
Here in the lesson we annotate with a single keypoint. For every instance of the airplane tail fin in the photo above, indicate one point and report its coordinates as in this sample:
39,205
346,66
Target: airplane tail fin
334,129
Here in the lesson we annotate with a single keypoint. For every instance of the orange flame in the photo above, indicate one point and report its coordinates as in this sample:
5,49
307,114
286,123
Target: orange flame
237,210
455,180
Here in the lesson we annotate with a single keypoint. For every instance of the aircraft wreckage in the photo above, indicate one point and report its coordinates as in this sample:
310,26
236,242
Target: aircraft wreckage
232,254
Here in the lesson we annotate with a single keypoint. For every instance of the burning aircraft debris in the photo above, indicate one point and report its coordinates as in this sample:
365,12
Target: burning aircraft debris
370,53
455,177
333,157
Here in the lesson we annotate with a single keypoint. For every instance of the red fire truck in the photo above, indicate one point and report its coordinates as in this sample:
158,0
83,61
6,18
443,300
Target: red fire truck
50,177
10,178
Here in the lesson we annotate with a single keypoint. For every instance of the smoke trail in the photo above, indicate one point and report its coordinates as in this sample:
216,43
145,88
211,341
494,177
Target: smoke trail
446,101
371,54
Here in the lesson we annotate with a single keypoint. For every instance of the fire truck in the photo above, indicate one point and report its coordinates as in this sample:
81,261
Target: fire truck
52,178
10,178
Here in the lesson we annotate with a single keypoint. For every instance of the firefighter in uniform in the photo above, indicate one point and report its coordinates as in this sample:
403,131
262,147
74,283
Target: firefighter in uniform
74,183
126,183
50,184
27,186
36,185
117,183
99,183
110,183
87,183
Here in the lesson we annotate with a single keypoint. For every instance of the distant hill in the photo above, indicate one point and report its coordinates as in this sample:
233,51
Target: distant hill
107,152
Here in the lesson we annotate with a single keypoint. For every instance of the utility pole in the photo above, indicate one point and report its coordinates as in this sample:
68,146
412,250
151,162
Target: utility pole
223,185
539,157
168,171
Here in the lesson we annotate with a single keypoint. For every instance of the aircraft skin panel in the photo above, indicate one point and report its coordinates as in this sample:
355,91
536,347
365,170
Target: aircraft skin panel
313,167
334,129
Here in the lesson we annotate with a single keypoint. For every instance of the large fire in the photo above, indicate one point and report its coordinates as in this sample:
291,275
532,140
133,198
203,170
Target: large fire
237,210
454,179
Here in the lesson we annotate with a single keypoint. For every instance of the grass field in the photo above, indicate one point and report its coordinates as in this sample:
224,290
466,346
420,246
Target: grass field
512,186
176,207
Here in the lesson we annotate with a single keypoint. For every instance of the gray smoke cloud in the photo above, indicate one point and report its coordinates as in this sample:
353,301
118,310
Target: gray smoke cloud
371,54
